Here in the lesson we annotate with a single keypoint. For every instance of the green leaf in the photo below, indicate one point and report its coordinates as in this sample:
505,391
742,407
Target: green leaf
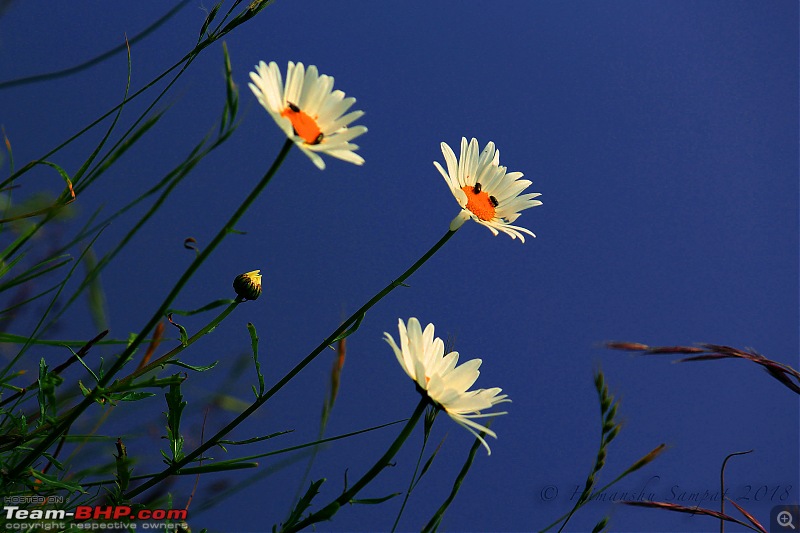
53,460
601,525
192,367
80,360
64,176
305,502
42,396
251,329
123,475
429,462
255,439
133,396
375,501
175,406
436,519
84,390
43,267
6,267
184,335
12,248
352,329
19,339
96,294
46,395
217,467
231,94
209,19
50,482
175,379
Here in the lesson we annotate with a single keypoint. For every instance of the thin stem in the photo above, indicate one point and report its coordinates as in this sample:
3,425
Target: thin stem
598,491
261,400
411,483
436,519
95,60
188,58
208,328
722,487
326,512
73,415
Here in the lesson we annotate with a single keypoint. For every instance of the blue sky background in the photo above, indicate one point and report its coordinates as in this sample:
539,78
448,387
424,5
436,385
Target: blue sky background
663,137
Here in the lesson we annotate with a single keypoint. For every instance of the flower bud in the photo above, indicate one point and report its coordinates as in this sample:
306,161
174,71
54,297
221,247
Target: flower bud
248,285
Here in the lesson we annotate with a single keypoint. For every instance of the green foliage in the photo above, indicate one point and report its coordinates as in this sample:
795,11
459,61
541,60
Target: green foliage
436,519
254,439
355,320
609,429
182,330
251,329
601,525
47,383
123,469
28,437
59,408
303,504
175,407
53,483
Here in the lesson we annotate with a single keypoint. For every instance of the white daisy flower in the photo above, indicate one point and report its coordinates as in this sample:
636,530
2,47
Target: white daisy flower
308,111
436,375
483,189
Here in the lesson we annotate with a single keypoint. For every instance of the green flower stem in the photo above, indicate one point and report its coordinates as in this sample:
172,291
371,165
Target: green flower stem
292,373
329,510
54,433
178,349
428,425
433,523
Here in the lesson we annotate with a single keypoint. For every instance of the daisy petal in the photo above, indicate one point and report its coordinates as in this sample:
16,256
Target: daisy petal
484,189
444,381
308,110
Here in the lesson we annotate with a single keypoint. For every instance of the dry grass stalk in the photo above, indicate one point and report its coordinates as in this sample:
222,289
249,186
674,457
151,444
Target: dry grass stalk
785,374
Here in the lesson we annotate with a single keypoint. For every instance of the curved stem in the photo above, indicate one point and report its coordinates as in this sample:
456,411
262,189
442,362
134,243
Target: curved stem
329,510
175,467
70,418
95,60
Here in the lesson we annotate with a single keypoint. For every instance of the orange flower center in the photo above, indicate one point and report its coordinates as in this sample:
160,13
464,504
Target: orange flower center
480,203
304,126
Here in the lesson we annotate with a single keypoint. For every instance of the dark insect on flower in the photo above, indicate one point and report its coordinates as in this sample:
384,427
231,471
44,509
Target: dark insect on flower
477,188
293,107
318,139
493,201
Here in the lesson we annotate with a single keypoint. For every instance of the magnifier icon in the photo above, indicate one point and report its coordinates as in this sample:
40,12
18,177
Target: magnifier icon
785,519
